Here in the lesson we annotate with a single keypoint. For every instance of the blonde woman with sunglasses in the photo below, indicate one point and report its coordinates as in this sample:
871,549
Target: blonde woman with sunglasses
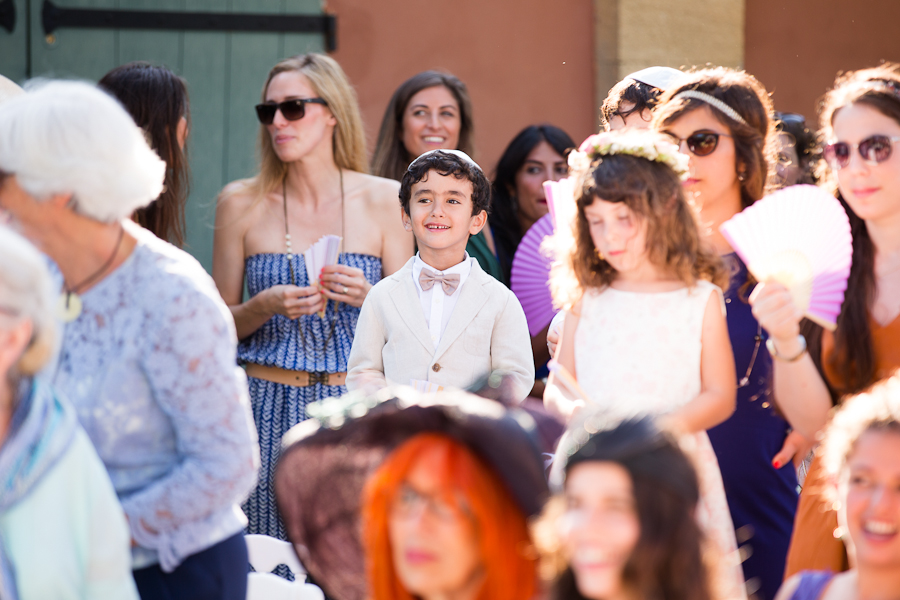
860,125
722,119
295,336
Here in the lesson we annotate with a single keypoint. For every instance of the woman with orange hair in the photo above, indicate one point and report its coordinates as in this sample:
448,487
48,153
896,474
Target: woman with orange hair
440,488
438,523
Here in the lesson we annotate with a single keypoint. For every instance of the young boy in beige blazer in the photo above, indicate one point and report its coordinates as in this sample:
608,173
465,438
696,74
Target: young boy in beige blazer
441,319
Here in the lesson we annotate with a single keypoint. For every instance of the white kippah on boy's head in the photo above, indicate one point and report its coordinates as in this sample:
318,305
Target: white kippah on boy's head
457,153
658,77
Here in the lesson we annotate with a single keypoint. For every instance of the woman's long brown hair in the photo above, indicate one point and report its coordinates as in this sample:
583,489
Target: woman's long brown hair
157,99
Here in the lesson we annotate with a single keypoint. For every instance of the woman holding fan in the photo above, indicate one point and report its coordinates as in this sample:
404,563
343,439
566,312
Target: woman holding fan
722,120
861,127
312,182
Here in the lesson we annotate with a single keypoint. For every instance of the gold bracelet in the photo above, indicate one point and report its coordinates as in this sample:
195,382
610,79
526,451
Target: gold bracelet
770,346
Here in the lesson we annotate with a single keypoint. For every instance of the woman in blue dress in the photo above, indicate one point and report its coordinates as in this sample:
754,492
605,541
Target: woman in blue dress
723,120
295,337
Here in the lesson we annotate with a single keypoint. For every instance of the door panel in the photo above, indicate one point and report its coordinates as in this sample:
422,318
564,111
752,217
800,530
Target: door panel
224,73
13,45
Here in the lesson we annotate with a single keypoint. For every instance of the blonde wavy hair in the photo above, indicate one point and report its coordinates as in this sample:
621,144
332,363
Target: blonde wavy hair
330,83
26,292
653,192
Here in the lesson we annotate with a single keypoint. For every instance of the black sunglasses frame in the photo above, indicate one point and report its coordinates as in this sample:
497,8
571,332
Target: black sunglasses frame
831,157
692,146
292,110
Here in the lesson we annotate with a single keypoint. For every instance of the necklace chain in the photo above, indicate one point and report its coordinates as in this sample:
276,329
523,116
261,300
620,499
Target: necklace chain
75,289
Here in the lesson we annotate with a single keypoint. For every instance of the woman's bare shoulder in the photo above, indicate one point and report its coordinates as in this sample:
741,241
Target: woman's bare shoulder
237,203
376,190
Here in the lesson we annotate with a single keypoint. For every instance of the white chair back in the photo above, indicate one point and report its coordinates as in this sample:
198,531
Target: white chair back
266,553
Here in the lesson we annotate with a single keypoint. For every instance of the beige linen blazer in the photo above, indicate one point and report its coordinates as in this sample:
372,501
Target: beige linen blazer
487,331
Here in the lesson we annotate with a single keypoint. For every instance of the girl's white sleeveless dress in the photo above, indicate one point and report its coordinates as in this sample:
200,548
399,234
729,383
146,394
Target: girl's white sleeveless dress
638,354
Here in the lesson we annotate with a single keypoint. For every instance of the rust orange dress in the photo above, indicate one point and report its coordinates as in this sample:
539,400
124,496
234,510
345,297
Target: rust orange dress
813,545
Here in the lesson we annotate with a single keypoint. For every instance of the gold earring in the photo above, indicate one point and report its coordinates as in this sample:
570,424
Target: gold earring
599,254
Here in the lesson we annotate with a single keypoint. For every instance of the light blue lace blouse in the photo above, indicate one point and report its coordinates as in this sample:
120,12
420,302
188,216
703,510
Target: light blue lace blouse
150,367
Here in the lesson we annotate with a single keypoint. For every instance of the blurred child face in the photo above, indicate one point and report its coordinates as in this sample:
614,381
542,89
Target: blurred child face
713,178
440,216
600,527
542,164
871,190
626,116
620,237
870,499
431,121
434,542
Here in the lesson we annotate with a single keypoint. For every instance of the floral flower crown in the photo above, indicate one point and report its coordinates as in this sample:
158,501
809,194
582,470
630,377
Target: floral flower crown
635,142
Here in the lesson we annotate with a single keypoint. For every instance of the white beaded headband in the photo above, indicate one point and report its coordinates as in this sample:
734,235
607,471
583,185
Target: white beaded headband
457,153
712,101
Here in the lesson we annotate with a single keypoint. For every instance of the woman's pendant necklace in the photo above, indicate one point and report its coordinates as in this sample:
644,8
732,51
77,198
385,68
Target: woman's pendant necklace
69,304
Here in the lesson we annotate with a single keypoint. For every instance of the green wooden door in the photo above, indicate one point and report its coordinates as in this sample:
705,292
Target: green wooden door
224,71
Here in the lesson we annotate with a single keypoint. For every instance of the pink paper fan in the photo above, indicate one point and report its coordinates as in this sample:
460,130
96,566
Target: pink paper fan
530,277
800,237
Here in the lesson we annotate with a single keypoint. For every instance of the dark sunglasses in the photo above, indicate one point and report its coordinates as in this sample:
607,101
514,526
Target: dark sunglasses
292,110
701,143
874,150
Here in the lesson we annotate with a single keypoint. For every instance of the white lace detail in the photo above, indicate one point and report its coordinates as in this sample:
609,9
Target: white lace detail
150,366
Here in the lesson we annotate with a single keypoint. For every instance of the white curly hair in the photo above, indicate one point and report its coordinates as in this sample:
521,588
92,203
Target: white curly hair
68,137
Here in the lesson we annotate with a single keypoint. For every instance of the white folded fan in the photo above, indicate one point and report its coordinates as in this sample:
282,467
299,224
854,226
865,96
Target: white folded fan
321,254
800,237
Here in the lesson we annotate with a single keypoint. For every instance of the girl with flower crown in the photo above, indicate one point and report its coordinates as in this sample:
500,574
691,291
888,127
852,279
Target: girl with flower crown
645,331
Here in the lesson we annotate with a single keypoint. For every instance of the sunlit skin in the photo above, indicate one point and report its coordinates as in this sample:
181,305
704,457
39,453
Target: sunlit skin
869,514
713,179
431,121
600,528
434,541
621,238
293,140
440,216
542,164
871,190
635,120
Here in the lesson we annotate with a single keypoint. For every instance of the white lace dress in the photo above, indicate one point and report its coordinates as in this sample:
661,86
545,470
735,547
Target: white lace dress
638,354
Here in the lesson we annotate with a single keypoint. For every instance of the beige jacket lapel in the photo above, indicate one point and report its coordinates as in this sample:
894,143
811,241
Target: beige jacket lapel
406,301
471,298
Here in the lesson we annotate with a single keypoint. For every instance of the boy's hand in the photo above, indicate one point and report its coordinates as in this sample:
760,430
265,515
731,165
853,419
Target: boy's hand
344,284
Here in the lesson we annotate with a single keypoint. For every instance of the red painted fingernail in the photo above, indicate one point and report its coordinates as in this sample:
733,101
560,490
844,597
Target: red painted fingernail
776,463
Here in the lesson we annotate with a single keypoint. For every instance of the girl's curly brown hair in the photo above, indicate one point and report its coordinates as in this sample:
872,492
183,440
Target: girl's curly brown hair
652,190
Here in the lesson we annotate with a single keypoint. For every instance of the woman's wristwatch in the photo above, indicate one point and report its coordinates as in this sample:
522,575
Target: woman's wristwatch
770,346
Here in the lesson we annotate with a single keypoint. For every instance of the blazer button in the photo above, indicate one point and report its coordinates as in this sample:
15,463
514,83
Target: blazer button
435,367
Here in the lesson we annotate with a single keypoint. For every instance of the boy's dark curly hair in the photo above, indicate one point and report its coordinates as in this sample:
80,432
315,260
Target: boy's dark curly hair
446,164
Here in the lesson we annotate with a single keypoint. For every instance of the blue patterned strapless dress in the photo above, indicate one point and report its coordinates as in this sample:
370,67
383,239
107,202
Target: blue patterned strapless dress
279,343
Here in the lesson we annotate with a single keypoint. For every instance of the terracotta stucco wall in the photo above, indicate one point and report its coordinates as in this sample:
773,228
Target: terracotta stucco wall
795,47
524,61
